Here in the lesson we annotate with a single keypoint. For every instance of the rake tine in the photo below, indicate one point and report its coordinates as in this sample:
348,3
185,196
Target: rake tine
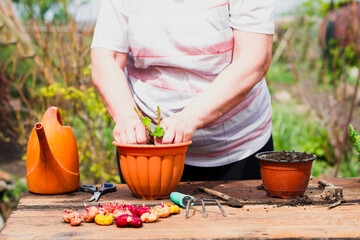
187,208
221,208
205,215
203,208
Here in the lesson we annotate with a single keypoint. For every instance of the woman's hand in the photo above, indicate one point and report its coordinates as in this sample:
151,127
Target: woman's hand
130,131
110,80
178,128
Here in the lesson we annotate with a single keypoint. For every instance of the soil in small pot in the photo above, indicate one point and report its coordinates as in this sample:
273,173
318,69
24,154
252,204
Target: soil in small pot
287,156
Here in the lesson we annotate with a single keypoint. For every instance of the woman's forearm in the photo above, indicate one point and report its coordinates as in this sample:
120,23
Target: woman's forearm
251,60
110,80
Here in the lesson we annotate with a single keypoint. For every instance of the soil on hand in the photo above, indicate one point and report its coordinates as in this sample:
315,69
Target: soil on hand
287,156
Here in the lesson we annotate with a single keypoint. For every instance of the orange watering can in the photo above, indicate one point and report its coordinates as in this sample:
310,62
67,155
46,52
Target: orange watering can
52,156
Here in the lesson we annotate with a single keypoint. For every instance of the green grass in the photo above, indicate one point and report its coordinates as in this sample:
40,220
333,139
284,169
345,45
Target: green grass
279,73
351,167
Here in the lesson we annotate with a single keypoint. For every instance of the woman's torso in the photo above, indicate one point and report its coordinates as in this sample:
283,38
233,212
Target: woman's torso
178,47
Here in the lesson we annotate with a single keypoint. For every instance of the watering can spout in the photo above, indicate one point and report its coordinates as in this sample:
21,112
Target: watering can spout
45,151
52,156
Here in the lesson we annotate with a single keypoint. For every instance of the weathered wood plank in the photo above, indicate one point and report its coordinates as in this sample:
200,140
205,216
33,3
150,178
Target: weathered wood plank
257,221
246,190
40,216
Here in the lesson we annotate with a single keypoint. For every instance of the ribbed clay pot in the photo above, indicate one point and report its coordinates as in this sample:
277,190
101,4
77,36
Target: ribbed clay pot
283,177
152,171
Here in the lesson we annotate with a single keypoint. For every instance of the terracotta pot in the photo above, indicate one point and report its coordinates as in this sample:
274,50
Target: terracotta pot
283,178
152,171
52,156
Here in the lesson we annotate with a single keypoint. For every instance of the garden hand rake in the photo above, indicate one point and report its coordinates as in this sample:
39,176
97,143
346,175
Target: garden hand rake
187,200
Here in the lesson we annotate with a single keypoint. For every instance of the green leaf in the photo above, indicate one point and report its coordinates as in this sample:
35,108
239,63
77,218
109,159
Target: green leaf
357,144
146,121
159,131
352,133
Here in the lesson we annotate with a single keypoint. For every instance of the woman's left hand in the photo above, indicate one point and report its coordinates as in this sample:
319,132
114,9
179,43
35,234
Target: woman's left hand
178,128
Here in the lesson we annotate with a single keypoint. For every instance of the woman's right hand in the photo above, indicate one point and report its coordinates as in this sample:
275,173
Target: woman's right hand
130,131
109,78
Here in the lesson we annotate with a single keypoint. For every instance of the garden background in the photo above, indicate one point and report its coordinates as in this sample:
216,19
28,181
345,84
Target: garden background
45,61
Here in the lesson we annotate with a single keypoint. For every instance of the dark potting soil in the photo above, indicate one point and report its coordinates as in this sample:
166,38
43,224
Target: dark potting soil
302,201
287,156
260,187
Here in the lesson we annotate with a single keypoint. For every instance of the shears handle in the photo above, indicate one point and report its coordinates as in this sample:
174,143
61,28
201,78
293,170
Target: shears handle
88,188
107,187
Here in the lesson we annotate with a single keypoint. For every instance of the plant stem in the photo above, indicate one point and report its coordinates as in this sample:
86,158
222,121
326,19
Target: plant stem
147,127
159,114
138,113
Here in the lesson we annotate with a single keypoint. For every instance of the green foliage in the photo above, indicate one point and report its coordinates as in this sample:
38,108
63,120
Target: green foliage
320,167
87,97
350,168
319,8
159,131
279,73
339,55
15,192
146,121
37,9
355,139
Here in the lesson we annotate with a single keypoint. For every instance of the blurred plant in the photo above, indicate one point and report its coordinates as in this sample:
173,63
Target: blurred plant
14,193
355,139
47,62
38,9
279,73
333,110
339,38
11,196
319,8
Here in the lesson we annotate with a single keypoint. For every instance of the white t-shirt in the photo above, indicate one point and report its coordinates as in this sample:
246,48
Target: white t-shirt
176,49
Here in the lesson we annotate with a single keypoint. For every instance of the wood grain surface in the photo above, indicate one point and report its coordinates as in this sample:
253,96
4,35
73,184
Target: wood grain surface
40,216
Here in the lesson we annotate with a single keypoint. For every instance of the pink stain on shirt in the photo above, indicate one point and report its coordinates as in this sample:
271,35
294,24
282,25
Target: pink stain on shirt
156,81
220,5
184,50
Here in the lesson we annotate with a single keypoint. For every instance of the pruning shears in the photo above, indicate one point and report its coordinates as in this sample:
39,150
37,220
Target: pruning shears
105,188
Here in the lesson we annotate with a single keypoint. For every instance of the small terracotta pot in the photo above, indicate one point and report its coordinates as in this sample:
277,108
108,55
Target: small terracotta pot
152,171
284,178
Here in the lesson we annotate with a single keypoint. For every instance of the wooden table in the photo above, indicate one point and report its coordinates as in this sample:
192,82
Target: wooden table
40,216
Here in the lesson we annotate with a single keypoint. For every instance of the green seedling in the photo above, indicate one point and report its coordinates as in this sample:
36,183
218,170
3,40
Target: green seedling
355,139
158,130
